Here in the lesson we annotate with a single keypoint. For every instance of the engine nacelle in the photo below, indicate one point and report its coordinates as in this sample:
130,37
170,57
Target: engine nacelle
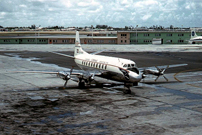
63,75
153,72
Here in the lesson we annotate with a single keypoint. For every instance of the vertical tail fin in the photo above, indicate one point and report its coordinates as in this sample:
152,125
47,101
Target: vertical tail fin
78,50
77,42
193,33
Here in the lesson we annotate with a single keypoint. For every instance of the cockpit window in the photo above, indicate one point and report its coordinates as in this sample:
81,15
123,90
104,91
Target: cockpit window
125,65
129,65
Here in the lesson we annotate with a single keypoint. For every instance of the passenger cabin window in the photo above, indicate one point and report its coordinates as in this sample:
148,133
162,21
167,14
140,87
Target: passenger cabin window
95,65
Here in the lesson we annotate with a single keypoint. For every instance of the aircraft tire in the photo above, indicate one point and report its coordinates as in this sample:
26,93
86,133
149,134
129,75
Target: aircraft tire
127,91
135,84
81,85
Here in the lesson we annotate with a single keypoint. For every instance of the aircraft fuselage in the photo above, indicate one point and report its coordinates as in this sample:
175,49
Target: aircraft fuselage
108,67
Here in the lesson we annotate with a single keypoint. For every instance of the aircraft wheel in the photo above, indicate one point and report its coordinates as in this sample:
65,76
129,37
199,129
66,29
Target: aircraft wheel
127,91
81,85
135,84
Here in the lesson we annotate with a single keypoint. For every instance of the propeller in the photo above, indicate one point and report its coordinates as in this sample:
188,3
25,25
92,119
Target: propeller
91,78
65,76
143,75
161,73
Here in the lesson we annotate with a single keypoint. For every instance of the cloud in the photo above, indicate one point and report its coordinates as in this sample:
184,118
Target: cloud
118,13
146,17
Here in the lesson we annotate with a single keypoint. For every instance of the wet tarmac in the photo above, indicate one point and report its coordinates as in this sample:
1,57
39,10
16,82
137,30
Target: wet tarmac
37,103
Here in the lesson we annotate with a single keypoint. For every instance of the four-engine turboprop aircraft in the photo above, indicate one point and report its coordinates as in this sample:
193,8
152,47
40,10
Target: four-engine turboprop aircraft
113,68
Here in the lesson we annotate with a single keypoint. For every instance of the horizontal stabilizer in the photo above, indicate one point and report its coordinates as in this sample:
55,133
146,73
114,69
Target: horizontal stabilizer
94,53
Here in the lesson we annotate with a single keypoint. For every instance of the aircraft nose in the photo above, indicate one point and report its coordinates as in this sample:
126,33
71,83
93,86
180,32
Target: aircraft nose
135,77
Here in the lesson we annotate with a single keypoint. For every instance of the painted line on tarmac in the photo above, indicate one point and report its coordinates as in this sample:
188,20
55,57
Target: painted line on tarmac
198,69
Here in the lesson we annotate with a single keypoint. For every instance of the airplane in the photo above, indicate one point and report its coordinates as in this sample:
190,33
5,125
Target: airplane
194,38
112,68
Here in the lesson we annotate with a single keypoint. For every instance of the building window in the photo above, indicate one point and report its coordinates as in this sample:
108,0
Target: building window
111,41
65,41
30,40
134,41
169,41
146,35
54,41
100,41
180,41
158,35
147,41
180,35
7,40
134,35
90,41
123,35
42,40
169,35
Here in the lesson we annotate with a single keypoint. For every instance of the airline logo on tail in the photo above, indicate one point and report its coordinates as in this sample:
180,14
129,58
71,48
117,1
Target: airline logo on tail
193,34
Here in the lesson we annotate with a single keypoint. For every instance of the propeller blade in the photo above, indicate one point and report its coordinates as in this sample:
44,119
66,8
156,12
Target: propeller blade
165,78
158,68
65,83
67,77
165,69
157,78
71,70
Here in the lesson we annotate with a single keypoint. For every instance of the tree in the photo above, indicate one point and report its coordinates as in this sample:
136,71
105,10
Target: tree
33,26
171,26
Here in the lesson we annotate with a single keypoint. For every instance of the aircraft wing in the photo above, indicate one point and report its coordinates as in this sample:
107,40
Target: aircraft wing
42,72
68,74
63,54
142,69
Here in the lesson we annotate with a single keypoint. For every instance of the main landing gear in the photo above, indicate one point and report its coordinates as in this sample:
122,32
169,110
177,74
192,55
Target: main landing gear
128,90
128,85
81,84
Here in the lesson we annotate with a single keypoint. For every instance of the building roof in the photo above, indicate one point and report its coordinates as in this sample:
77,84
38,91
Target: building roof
57,37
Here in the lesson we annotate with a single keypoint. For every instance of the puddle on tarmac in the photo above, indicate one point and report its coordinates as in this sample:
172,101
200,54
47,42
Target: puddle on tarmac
185,94
33,60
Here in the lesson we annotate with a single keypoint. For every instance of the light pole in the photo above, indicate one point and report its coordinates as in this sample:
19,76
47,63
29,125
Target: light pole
136,33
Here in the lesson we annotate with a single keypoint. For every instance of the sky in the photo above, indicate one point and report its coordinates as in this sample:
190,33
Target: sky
115,13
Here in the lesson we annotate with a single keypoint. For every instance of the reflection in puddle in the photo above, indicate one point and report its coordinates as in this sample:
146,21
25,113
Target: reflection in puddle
33,60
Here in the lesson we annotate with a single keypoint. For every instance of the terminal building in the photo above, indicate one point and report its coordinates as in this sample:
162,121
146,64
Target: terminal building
155,37
97,37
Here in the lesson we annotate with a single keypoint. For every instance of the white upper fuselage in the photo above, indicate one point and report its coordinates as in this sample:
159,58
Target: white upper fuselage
197,39
109,67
